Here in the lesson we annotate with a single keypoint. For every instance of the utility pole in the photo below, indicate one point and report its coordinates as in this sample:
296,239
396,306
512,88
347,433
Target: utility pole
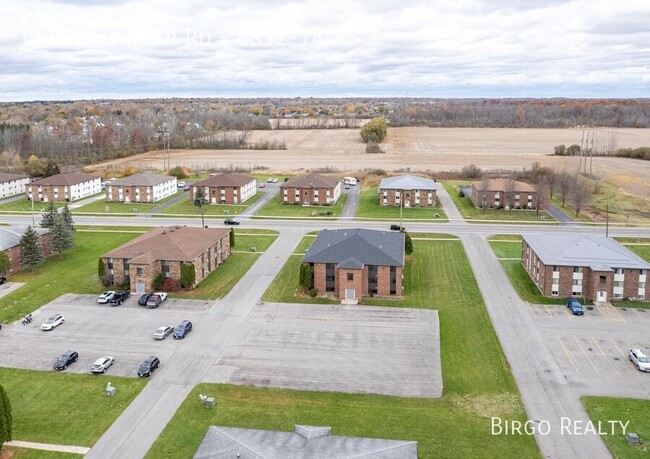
401,207
32,193
607,220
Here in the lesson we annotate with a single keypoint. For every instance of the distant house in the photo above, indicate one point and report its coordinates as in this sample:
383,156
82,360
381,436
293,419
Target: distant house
407,191
353,263
305,442
164,250
583,265
225,188
63,187
12,184
141,188
505,194
10,243
310,189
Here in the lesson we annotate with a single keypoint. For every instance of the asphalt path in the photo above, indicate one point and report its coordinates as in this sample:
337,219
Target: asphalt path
350,208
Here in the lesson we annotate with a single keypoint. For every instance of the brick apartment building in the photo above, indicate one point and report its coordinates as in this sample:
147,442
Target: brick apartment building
353,263
310,189
10,243
141,188
163,250
226,188
407,191
580,265
12,184
64,187
505,194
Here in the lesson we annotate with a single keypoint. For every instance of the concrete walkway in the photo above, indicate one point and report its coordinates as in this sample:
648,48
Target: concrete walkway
48,447
453,214
83,202
144,419
16,197
6,289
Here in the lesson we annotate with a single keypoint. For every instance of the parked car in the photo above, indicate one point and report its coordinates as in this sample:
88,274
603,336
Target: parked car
163,332
148,366
156,299
120,297
52,322
396,228
231,221
142,301
575,307
262,185
639,359
182,329
65,359
180,184
105,297
102,364
269,180
275,180
186,188
2,280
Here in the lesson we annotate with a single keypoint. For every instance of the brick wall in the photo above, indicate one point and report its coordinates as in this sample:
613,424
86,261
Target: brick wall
409,198
319,277
306,194
214,194
50,193
490,199
128,193
356,283
14,253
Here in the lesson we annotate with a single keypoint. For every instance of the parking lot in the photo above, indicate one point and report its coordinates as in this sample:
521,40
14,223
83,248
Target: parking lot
94,330
592,350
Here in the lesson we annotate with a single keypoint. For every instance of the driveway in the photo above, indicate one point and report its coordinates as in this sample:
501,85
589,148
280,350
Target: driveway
453,214
270,191
350,208
560,216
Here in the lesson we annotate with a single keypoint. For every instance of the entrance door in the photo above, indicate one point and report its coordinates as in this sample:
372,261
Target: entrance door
602,296
139,287
350,294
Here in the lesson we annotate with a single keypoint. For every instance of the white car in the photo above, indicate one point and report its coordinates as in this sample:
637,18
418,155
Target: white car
275,180
101,364
639,359
52,322
163,332
105,297
180,184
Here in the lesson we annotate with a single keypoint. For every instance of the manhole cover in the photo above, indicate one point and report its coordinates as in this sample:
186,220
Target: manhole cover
590,349
617,358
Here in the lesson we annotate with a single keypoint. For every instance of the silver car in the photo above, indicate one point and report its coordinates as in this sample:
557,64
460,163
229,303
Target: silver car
162,332
52,322
102,364
639,359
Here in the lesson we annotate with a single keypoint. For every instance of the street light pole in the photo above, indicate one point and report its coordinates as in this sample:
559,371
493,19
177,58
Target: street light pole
401,207
607,221
33,220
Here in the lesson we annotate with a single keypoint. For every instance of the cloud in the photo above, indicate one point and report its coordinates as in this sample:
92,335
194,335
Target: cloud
450,48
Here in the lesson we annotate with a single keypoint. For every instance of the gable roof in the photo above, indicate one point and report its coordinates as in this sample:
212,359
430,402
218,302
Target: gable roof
235,180
305,442
4,177
502,185
353,248
600,253
176,243
142,180
310,180
10,235
407,182
66,179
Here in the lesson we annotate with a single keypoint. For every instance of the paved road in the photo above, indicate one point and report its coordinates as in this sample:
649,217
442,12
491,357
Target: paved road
141,423
182,196
560,216
352,203
453,214
270,191
545,391
17,197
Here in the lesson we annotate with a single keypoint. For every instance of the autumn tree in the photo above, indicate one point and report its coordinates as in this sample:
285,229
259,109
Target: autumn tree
374,130
51,168
34,166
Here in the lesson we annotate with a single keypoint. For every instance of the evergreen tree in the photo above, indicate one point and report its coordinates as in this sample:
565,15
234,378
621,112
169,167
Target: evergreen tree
408,243
31,253
49,216
51,168
5,417
5,263
62,237
67,216
232,238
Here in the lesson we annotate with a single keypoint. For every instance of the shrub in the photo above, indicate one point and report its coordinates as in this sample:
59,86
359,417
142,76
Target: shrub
101,268
188,275
232,238
170,285
408,244
461,194
158,281
374,130
313,292
306,276
107,280
179,172
471,171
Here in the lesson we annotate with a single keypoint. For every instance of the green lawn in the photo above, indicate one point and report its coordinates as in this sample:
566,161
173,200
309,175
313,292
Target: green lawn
568,211
456,425
101,206
641,250
64,408
245,239
635,411
26,453
472,214
76,272
23,205
369,208
274,208
186,207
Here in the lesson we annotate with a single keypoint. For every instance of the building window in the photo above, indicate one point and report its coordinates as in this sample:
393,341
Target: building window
109,263
641,285
577,281
138,271
577,269
602,280
619,271
393,280
643,272
618,295
164,266
330,277
618,283
372,279
350,276
555,268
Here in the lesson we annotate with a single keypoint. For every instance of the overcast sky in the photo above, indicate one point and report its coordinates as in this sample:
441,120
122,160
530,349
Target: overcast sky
72,49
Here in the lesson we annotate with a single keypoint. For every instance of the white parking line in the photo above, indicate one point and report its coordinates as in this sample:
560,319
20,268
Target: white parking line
586,355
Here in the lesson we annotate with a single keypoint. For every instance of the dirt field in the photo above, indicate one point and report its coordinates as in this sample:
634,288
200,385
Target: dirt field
420,149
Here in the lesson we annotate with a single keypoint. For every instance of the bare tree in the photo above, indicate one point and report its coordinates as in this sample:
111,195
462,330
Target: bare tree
565,183
510,191
483,188
580,194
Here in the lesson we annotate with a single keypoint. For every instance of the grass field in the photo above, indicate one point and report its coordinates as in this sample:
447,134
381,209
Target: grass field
274,208
76,272
469,212
64,408
456,425
624,409
99,207
369,208
23,205
185,207
569,212
9,452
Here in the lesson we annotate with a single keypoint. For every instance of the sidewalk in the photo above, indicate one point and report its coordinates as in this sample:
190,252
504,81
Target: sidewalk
48,447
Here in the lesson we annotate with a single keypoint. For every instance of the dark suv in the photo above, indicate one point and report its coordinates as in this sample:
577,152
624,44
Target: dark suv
3,279
182,329
65,359
148,366
119,298
142,301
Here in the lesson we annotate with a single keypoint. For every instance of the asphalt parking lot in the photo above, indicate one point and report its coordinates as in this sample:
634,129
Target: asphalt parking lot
592,350
94,330
359,349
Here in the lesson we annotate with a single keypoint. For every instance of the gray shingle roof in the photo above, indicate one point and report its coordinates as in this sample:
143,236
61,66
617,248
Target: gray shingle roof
407,182
355,247
597,252
65,179
10,235
310,180
142,180
4,177
305,442
226,180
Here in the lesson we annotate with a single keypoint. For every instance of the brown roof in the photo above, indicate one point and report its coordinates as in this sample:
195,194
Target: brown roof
65,179
142,180
502,185
236,180
310,180
176,243
10,177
